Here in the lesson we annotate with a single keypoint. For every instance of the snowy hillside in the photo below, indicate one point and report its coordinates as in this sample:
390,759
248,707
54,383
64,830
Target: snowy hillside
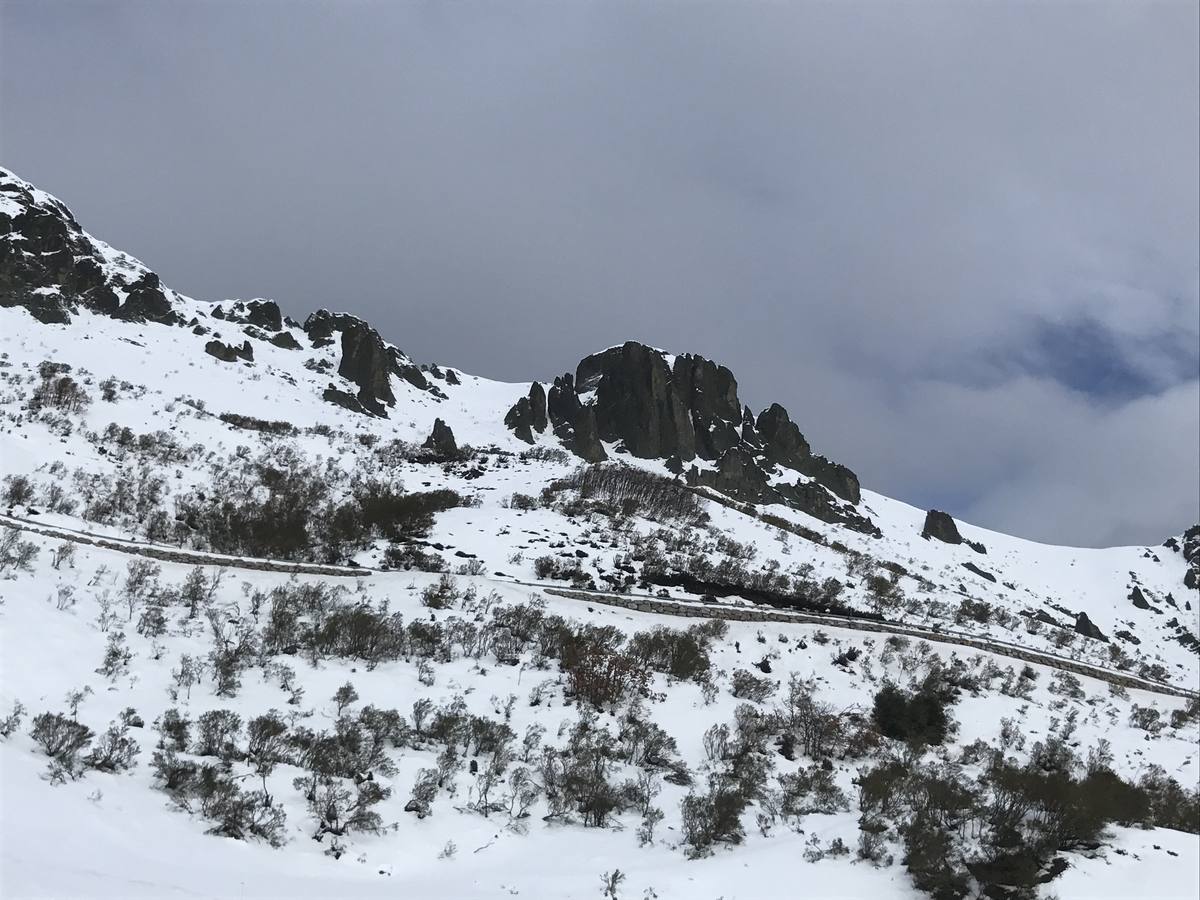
607,621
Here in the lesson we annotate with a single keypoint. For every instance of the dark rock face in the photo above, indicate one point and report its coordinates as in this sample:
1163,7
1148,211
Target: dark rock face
941,526
1191,555
520,420
229,353
1138,598
782,441
1087,628
285,340
982,573
366,359
344,400
687,409
738,475
145,302
636,402
263,314
441,440
537,407
50,266
528,414
574,424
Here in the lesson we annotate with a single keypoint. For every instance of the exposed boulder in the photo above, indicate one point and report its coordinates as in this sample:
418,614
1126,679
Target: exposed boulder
228,352
344,400
441,440
520,420
285,340
145,301
941,526
263,314
982,573
1138,598
528,414
1087,628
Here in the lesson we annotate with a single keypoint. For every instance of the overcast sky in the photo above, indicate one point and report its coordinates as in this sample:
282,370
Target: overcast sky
958,241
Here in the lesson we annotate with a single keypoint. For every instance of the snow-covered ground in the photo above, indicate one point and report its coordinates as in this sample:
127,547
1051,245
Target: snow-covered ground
120,835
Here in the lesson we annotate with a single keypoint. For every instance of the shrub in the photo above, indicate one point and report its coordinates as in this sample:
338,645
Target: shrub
751,687
14,552
711,817
217,733
114,751
61,738
629,491
918,718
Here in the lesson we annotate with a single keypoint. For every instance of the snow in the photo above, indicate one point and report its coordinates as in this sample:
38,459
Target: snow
117,835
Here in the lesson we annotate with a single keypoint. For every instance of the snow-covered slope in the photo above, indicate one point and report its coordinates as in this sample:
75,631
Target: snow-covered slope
154,419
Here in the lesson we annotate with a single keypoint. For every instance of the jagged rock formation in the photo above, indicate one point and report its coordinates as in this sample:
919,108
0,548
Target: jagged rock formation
441,440
682,409
263,314
228,352
1138,598
1088,628
942,527
366,359
53,268
528,414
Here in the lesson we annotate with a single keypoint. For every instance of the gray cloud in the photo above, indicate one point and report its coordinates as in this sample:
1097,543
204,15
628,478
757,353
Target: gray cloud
958,241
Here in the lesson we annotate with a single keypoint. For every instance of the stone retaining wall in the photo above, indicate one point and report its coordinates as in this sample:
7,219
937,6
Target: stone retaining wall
745,614
187,557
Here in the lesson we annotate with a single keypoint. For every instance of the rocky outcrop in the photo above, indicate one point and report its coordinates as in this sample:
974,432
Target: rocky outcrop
228,352
738,475
686,408
262,314
636,402
285,340
1191,555
53,268
537,408
1086,627
366,359
941,526
441,441
528,414
344,400
574,424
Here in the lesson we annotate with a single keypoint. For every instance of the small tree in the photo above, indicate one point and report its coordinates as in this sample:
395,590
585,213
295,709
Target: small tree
344,697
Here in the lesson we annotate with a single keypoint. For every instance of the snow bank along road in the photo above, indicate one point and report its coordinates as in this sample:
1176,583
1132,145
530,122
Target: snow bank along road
634,602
